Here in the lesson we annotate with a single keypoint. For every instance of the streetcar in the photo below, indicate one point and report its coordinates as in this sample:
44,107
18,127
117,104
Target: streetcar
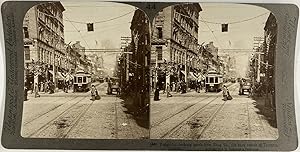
213,81
82,81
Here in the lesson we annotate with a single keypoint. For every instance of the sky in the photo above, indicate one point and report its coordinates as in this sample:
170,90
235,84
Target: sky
239,36
106,34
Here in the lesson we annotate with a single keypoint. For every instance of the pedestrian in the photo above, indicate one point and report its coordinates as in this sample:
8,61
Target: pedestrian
174,86
36,90
109,86
241,86
46,86
51,87
225,93
168,90
97,96
93,93
163,87
178,86
31,87
42,87
156,94
66,86
183,87
25,93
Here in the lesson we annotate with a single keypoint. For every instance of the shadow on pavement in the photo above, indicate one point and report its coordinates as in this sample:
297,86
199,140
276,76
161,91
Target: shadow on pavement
268,113
139,114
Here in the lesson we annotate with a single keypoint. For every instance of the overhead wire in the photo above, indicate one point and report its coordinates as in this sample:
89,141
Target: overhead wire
79,33
235,22
213,34
97,22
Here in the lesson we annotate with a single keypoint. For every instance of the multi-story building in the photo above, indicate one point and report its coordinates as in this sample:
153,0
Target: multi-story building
83,60
214,51
140,59
73,59
270,42
174,43
44,49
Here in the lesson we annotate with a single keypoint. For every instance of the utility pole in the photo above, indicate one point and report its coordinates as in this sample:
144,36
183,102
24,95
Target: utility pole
258,41
185,67
125,41
54,71
156,70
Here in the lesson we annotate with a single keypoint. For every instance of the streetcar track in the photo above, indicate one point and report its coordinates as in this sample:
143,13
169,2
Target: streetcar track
183,109
47,125
210,120
180,125
248,120
116,121
77,119
177,127
44,113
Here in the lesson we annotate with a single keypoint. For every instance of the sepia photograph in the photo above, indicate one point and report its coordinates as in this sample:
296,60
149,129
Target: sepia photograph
212,73
86,71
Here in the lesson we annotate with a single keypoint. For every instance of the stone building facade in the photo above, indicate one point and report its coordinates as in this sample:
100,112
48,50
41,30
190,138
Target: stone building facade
174,43
44,46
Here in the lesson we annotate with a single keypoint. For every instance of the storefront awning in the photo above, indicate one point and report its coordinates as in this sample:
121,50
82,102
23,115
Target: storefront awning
200,76
192,76
80,67
59,76
182,72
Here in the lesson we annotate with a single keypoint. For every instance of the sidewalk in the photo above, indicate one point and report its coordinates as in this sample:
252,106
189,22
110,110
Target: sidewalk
59,92
190,92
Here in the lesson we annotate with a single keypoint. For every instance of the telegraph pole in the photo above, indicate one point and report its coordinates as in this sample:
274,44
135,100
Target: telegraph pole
125,41
185,67
258,41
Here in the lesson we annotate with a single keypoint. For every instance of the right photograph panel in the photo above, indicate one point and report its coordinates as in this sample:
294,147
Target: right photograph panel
213,73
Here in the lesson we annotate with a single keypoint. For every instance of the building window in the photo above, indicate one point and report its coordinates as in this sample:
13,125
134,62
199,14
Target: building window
160,34
159,52
26,34
27,52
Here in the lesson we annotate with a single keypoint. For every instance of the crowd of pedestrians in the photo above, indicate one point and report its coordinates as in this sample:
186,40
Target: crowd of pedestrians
44,87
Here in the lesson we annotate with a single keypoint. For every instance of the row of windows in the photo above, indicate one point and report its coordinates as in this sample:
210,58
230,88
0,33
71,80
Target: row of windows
51,23
176,56
212,80
80,80
190,26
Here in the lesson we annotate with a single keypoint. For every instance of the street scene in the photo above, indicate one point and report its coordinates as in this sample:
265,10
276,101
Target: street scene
86,71
212,73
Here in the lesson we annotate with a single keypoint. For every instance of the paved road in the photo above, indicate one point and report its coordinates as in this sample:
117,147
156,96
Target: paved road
74,115
206,116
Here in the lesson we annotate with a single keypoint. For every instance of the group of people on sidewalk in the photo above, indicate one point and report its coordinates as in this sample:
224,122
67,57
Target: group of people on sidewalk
45,87
181,86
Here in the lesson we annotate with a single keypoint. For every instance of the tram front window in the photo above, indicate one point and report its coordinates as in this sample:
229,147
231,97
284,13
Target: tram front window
84,79
216,80
79,79
211,80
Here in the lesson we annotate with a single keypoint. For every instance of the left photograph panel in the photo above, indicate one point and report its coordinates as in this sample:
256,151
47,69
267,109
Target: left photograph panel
86,71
